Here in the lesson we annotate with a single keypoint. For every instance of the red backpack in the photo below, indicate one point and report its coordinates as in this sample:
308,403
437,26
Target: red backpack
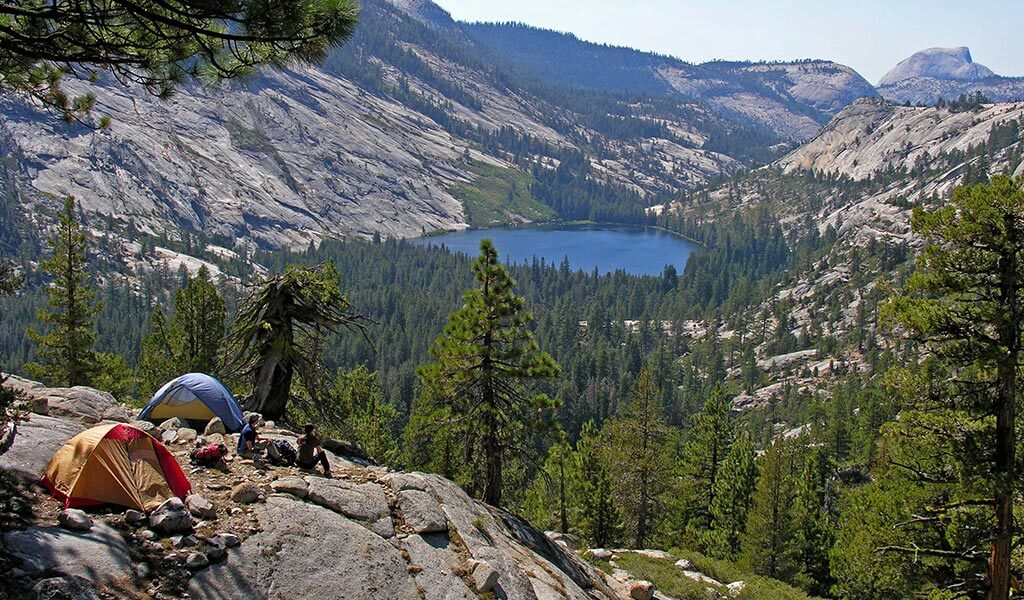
208,454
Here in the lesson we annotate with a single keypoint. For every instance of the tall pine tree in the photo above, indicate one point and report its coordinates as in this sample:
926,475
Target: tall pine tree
601,522
769,542
66,355
708,445
733,495
484,365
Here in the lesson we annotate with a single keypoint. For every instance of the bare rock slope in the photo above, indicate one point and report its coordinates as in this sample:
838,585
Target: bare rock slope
367,533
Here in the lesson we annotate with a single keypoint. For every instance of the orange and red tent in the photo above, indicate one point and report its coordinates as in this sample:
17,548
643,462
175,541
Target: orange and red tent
114,464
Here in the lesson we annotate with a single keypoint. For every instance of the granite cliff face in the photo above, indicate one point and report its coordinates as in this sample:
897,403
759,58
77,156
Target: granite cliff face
946,73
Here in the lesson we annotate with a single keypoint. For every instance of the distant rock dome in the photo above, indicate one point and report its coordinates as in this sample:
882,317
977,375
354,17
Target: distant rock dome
938,63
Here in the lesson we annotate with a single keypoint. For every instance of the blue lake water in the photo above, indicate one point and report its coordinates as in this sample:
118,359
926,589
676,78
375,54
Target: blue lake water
636,250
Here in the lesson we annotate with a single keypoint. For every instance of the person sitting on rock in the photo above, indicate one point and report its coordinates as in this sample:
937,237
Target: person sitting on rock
311,453
249,443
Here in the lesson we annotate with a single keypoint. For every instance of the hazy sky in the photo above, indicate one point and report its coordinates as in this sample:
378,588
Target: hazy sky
869,35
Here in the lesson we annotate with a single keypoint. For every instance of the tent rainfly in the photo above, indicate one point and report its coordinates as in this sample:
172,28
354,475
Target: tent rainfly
194,396
114,464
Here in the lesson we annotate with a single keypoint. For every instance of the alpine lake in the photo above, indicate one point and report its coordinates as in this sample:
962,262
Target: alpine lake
607,248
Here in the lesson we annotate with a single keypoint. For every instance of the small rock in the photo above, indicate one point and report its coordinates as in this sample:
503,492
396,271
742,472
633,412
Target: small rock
64,588
169,436
186,435
197,560
171,517
484,576
685,565
736,588
215,438
200,507
134,517
641,590
215,553
184,541
247,493
216,425
148,535
228,540
142,570
19,506
235,511
74,519
291,485
655,554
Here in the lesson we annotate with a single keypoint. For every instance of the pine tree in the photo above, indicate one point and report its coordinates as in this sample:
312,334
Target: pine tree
734,491
636,449
600,518
814,519
769,541
966,302
705,451
66,353
483,365
553,500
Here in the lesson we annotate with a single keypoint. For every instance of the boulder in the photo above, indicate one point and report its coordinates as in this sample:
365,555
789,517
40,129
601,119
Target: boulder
291,485
100,555
173,424
186,435
364,502
484,576
600,554
655,554
64,588
216,425
421,512
74,519
736,588
247,493
200,507
169,436
214,438
171,517
84,404
641,590
293,556
567,540
197,560
148,427
685,565
37,440
215,553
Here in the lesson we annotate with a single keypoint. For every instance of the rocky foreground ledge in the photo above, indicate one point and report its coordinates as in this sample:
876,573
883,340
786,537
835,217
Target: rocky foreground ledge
257,531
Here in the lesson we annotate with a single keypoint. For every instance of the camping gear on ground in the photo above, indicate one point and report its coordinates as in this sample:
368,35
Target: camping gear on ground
114,464
287,453
208,454
194,396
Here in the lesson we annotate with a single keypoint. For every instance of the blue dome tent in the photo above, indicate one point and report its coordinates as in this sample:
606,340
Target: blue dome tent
194,396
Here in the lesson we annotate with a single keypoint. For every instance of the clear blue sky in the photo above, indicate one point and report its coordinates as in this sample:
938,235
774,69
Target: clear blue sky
869,35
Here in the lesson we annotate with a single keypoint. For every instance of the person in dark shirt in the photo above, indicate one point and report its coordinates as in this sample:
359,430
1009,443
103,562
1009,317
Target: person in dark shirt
310,452
249,442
